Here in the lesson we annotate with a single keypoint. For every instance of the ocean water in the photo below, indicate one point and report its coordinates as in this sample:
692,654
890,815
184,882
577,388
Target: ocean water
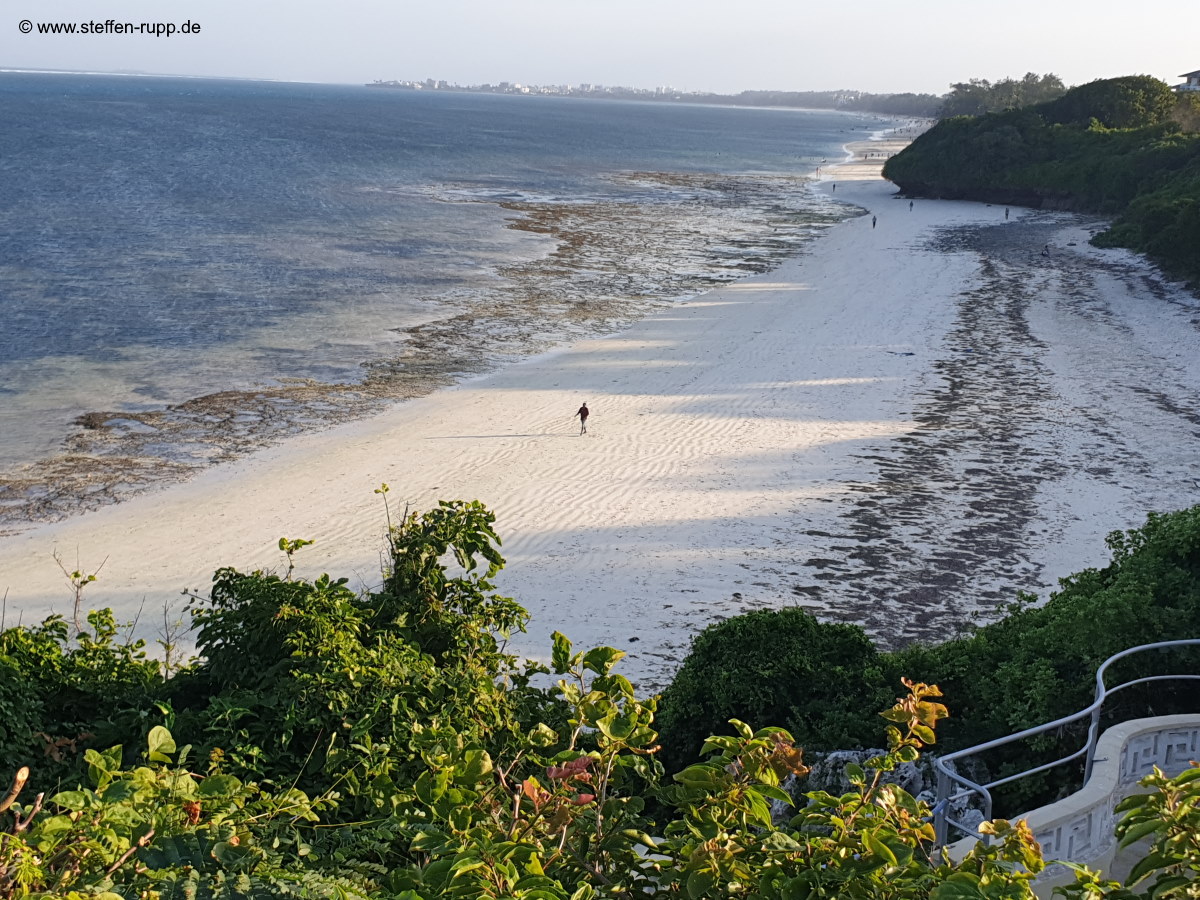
191,269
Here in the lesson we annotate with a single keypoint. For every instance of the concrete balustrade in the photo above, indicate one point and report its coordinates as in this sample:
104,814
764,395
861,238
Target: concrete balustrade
1079,828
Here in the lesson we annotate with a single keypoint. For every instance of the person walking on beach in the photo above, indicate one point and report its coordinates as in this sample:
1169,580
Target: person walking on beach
834,191
1006,214
910,206
583,414
873,220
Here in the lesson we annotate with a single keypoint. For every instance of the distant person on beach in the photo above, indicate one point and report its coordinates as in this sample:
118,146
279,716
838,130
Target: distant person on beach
910,206
1006,214
873,220
583,414
1046,250
834,189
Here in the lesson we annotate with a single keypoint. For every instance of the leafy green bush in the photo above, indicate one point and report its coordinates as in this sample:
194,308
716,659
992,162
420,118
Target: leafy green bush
158,830
817,680
59,692
313,684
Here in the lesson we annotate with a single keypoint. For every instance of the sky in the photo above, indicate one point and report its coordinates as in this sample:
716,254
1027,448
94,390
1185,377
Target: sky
724,46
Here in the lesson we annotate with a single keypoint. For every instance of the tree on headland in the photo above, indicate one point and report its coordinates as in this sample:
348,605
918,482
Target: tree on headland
1132,101
979,96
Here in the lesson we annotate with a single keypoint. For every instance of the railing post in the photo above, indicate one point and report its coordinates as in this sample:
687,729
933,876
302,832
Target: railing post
1093,738
941,808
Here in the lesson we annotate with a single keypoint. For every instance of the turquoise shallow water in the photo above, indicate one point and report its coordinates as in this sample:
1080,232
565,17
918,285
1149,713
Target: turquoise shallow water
198,267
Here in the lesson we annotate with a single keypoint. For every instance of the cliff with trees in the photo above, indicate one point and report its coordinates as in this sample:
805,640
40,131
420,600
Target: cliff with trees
1122,147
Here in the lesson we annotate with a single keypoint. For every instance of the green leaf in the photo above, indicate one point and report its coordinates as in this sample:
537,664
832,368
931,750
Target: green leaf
878,848
1145,867
615,727
640,837
698,776
428,842
773,793
427,788
797,889
719,742
959,886
601,659
560,659
231,854
542,735
72,800
900,849
120,791
160,744
219,786
476,766
465,864
1187,775
781,842
759,808
1168,883
1134,801
1139,831
742,728
700,883
55,826
101,766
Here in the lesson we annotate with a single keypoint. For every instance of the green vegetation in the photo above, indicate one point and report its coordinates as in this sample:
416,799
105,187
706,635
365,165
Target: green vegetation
334,744
815,679
1039,661
979,96
1125,147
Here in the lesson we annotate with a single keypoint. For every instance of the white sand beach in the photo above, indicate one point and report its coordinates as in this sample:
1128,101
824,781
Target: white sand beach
901,428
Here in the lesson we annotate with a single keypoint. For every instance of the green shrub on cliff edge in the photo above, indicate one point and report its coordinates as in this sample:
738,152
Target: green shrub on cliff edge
1127,147
775,666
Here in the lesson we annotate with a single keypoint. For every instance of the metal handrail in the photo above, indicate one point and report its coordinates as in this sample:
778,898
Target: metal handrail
948,781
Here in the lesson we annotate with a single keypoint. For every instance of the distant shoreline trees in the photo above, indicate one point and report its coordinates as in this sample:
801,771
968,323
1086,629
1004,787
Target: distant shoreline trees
901,104
975,97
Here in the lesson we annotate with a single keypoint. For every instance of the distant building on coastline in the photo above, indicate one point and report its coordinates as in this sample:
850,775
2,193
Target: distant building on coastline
1192,83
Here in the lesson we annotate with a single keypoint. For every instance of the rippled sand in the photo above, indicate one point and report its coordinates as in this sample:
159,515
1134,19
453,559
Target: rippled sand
606,264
